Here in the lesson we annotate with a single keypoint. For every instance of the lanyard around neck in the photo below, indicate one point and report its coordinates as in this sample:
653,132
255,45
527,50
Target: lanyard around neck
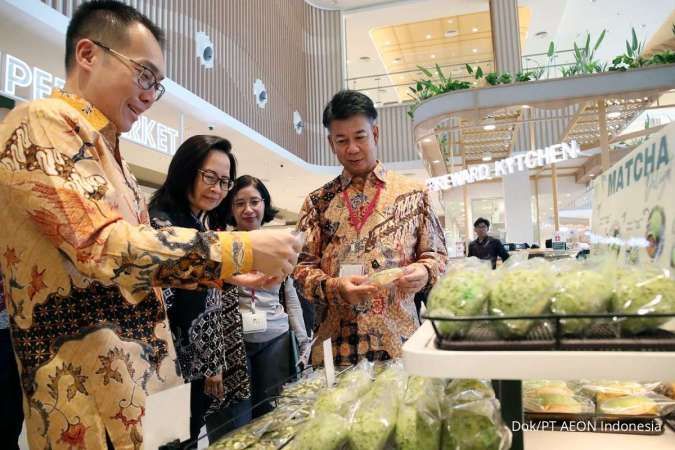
359,220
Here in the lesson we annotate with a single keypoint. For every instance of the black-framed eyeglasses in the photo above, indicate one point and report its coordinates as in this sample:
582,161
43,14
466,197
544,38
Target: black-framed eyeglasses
254,202
211,178
146,78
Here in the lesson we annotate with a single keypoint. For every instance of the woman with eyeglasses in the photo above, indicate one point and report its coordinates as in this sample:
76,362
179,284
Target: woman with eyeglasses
267,313
205,321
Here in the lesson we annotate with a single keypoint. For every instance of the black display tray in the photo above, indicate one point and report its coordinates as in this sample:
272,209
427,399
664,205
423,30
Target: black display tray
547,333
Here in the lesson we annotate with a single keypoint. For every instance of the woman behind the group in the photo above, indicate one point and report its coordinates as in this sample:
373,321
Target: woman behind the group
268,348
205,322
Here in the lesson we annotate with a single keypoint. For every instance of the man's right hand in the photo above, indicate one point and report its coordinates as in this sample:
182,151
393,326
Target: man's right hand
275,252
354,290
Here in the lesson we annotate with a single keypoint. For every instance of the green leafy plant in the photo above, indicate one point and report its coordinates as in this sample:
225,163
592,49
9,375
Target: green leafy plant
427,88
584,58
632,58
664,57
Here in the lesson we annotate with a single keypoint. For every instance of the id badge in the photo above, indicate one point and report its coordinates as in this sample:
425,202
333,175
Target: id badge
348,270
254,322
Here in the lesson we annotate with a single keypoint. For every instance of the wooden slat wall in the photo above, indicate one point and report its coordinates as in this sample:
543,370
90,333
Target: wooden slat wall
323,47
397,142
293,47
505,35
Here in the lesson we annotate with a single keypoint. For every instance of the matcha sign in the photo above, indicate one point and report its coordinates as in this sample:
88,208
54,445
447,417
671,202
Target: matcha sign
634,204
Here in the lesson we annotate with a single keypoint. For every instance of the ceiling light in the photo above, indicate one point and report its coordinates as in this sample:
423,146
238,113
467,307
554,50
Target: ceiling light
487,157
435,161
489,127
428,36
387,43
475,50
427,140
348,61
614,115
449,20
591,175
474,29
525,106
450,33
433,56
397,60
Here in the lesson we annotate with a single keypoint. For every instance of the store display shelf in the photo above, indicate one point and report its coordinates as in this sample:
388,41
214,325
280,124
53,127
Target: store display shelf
421,357
556,92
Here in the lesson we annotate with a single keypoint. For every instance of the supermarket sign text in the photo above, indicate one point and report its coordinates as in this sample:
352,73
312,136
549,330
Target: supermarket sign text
516,163
23,82
643,163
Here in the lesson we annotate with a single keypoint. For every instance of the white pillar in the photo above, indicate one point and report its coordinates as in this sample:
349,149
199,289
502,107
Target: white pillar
518,207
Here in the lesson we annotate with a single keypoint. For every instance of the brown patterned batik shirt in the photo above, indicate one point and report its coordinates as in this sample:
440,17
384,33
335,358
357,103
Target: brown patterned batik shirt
401,230
80,265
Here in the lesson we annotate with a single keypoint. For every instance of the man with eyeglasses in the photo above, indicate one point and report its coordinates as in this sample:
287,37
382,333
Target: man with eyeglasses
484,246
80,263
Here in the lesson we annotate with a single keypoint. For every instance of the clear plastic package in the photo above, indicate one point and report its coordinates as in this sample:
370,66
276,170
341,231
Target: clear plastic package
419,420
475,426
521,288
462,291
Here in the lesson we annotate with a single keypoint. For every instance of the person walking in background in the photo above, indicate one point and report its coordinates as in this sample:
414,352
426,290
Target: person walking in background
484,246
269,344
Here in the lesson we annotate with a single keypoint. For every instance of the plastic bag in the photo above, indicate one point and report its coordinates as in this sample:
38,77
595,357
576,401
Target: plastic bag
374,418
466,390
643,291
475,426
251,433
580,288
463,291
326,431
551,402
604,389
650,404
304,390
522,288
419,420
543,387
352,384
385,278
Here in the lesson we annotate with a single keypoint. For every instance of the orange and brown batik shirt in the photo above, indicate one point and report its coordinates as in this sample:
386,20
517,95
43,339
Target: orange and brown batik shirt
80,263
400,229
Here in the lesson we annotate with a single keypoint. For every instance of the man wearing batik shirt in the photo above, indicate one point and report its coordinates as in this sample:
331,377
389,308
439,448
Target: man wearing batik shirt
366,220
78,256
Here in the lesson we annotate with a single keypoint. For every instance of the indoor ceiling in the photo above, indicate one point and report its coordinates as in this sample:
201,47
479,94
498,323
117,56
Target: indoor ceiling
449,41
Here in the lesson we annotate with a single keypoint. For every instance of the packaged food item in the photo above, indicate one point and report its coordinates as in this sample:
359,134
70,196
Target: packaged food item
557,403
351,385
605,389
545,387
374,418
464,390
579,289
419,420
644,290
628,405
475,426
327,431
385,278
522,288
462,292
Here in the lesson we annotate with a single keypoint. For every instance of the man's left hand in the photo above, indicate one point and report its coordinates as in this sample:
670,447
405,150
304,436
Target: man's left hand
414,279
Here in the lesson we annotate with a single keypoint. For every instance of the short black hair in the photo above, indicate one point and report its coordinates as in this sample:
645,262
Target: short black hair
106,21
481,220
346,104
245,181
184,169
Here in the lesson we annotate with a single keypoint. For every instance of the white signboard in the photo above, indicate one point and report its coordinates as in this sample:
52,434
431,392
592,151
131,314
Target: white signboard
23,82
634,204
516,163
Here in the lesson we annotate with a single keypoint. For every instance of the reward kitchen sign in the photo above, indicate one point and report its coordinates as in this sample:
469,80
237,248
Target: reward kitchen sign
634,203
